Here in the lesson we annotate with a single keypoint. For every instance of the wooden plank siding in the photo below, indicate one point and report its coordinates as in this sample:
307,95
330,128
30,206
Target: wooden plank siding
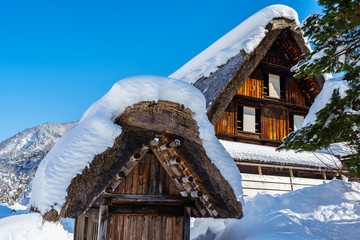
227,121
148,178
293,92
254,183
253,86
124,227
274,122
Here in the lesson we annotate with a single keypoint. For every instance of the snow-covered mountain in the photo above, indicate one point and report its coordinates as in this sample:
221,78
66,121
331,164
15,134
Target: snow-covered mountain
21,154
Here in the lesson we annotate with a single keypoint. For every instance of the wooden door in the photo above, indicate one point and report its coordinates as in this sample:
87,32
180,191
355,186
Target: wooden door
127,226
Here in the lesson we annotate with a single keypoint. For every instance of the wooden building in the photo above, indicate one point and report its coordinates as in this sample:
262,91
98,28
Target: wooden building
254,98
156,175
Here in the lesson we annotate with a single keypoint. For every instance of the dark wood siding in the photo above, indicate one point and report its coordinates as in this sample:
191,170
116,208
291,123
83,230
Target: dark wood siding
124,227
226,123
274,123
293,92
148,178
253,86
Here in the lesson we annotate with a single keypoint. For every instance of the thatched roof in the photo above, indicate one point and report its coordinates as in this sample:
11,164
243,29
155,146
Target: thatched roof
140,125
222,85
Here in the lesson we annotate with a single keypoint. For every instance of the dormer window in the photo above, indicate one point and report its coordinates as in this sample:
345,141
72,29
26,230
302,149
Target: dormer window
249,119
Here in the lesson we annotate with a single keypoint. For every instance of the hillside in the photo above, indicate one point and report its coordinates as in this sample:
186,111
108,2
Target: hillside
21,154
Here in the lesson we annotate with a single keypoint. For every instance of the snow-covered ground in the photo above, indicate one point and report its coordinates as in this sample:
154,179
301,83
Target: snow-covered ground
17,224
327,211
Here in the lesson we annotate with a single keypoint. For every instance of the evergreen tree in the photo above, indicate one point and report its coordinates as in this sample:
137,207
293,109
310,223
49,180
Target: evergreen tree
335,36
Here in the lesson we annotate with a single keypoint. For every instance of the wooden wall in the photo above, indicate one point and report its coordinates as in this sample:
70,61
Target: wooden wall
274,123
124,227
148,178
283,54
293,92
145,220
226,123
86,225
253,86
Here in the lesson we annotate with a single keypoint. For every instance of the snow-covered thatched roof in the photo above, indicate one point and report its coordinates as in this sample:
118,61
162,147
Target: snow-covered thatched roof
221,69
97,132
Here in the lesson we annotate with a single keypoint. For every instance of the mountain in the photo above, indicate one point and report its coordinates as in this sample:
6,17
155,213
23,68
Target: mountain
21,154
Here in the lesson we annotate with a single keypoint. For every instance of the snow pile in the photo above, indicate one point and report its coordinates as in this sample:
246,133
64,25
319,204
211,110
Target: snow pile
245,36
30,227
245,151
96,132
324,97
327,211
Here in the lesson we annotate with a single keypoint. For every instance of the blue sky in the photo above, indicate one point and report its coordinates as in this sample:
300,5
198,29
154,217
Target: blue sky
58,57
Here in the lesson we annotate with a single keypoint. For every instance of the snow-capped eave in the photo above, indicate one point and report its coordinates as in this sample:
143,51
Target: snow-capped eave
275,164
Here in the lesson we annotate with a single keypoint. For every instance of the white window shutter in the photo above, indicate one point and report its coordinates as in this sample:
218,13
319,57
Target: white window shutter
249,119
274,86
298,121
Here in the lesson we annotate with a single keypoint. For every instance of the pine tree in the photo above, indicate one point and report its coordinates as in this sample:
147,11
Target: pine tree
335,36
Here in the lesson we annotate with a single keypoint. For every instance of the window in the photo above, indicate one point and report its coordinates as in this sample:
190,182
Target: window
248,119
295,122
274,86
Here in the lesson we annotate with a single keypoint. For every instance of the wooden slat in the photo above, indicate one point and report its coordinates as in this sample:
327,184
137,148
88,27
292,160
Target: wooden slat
267,186
147,177
308,181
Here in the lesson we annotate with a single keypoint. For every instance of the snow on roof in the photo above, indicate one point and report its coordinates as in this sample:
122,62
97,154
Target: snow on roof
245,36
244,151
324,97
96,132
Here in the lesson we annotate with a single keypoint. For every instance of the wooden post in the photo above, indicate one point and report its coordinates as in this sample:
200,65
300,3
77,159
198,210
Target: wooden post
259,170
103,217
291,179
187,223
324,175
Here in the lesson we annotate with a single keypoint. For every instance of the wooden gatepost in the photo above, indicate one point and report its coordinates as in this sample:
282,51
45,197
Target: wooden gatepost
155,177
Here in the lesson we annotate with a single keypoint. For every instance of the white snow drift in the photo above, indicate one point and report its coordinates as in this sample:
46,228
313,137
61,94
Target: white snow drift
327,211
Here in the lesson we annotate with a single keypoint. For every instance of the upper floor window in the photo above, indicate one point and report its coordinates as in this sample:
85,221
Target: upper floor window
248,119
295,122
274,86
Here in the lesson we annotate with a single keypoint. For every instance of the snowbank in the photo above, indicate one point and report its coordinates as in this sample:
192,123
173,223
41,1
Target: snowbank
245,36
96,132
30,227
245,151
327,211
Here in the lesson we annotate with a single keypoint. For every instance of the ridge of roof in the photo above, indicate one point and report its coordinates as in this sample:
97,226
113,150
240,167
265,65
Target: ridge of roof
245,37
